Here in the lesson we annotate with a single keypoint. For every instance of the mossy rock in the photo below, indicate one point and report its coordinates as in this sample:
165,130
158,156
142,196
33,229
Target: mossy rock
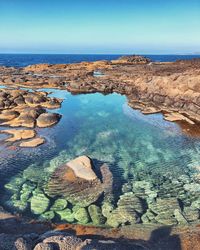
59,205
15,184
96,215
107,208
36,174
39,202
49,215
20,205
66,215
81,215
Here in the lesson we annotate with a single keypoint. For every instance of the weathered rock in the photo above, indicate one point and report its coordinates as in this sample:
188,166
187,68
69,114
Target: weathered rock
164,210
48,119
49,215
66,215
8,115
96,215
81,215
32,143
128,211
59,205
18,134
39,202
77,182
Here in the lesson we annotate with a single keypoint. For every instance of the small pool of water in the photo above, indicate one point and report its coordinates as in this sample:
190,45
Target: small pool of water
154,165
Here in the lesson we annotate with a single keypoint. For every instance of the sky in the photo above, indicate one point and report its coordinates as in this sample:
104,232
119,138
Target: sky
100,26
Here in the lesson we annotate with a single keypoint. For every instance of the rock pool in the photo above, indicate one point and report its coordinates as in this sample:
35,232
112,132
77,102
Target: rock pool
155,167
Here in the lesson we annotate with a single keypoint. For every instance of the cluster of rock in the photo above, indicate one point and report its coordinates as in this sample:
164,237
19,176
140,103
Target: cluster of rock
41,237
171,88
75,194
133,59
70,193
24,109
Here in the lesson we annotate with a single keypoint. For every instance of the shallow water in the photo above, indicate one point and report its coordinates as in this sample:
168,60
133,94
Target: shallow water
149,158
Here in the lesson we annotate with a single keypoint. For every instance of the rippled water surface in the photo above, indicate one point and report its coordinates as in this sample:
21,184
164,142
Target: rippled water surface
154,165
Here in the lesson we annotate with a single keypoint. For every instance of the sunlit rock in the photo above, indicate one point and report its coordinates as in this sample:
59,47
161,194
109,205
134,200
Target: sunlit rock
77,182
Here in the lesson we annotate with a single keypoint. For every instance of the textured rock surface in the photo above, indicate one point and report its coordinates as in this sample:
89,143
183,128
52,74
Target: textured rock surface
77,182
22,108
47,120
32,143
150,86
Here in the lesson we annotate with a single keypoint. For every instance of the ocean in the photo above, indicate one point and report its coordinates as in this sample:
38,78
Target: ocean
21,60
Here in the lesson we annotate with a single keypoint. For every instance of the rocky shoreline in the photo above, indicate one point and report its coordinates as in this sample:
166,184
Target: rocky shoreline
18,234
171,88
168,87
25,110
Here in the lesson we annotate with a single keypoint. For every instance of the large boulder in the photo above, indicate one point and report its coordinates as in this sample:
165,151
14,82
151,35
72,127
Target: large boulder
78,183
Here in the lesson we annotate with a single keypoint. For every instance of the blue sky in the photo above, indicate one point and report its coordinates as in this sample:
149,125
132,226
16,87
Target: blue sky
98,26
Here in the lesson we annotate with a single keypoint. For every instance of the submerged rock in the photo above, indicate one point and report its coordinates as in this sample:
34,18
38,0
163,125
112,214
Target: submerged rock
59,205
81,215
128,211
77,182
96,215
164,210
66,215
39,202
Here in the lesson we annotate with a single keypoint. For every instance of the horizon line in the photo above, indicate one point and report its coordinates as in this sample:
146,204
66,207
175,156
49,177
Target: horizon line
33,53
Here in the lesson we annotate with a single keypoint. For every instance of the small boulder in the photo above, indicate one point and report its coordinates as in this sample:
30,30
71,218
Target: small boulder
47,119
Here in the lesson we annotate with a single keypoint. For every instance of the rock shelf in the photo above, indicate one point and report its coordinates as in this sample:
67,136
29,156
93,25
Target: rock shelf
168,87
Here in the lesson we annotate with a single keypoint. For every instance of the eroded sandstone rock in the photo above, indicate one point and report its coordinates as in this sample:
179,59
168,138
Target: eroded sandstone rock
78,183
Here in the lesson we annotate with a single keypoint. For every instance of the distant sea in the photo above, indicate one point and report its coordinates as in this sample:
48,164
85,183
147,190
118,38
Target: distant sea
21,60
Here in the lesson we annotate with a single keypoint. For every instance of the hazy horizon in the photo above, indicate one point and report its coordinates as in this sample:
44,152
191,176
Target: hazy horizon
100,27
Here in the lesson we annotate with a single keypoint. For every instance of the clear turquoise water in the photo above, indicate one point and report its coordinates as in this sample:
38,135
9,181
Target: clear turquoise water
136,147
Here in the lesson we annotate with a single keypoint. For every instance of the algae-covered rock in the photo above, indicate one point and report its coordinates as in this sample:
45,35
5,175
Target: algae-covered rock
39,202
191,214
66,215
59,205
196,204
35,173
166,218
81,215
15,184
180,217
164,205
128,211
107,208
49,215
96,215
20,205
26,191
129,199
148,217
